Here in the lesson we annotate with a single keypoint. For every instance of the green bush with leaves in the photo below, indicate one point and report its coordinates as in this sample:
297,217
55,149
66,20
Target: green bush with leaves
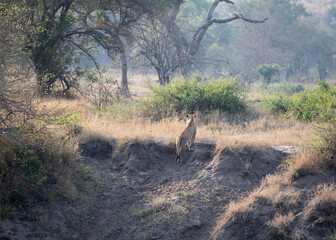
278,105
316,104
190,95
308,105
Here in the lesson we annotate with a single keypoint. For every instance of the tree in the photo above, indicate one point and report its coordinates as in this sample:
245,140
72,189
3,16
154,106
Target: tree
267,71
119,22
330,19
290,38
49,45
185,50
154,46
15,103
60,31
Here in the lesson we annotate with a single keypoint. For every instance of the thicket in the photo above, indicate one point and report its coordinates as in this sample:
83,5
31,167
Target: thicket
308,105
31,163
194,94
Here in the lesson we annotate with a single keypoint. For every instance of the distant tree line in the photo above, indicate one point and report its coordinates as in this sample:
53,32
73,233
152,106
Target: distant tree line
50,37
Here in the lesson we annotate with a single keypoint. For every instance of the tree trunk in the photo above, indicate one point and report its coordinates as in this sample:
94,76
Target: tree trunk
124,79
123,61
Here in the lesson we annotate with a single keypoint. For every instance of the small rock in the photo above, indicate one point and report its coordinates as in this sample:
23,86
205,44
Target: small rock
286,149
194,223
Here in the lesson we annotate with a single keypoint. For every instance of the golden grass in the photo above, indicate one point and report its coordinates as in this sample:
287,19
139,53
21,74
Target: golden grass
322,206
318,155
258,133
258,130
281,221
272,188
262,131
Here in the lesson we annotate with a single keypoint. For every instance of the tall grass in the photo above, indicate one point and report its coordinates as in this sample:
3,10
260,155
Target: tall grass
319,155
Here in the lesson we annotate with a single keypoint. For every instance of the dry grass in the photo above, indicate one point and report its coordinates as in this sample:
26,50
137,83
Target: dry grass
262,132
282,222
255,129
321,209
318,156
272,188
163,207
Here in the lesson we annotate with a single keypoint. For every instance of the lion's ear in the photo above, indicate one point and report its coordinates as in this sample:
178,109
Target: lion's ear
195,115
187,115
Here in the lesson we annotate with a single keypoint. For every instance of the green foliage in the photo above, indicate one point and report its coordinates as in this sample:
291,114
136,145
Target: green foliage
316,104
29,163
71,124
278,105
289,38
193,94
267,71
308,105
325,144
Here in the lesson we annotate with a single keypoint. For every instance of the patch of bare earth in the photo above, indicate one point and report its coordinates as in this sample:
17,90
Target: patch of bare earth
139,191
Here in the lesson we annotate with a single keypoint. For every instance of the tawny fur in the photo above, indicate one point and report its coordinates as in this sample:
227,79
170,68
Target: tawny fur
187,138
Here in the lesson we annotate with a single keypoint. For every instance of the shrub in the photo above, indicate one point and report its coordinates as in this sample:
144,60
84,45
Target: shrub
192,95
319,155
309,105
278,105
325,144
71,124
29,163
316,104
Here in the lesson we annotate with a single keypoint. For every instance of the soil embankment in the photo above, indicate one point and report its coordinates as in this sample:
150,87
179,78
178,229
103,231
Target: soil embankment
144,193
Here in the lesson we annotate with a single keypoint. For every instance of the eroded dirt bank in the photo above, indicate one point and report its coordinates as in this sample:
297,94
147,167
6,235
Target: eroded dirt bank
142,193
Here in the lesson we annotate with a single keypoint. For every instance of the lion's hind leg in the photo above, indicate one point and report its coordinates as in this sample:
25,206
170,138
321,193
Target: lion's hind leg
190,146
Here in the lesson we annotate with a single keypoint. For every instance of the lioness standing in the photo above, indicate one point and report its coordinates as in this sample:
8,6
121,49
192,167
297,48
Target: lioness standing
187,137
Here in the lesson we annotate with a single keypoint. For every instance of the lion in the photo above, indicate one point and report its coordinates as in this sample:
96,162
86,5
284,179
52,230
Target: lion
187,138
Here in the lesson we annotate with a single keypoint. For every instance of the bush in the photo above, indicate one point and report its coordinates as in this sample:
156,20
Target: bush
317,104
192,95
29,163
278,105
325,144
319,154
309,105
